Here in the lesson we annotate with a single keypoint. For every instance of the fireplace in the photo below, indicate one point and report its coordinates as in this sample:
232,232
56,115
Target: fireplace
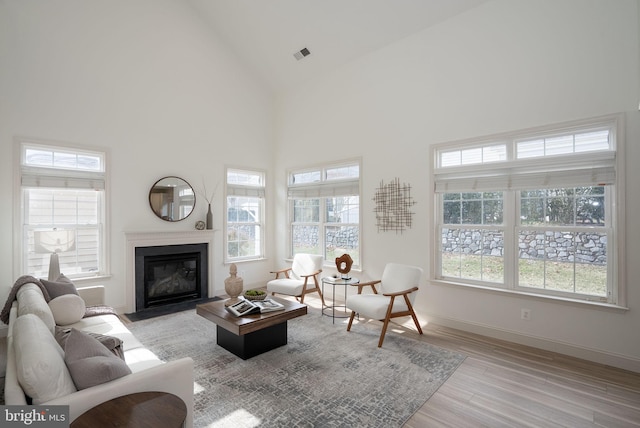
170,274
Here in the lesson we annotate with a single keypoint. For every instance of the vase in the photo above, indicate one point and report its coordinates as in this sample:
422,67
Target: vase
209,218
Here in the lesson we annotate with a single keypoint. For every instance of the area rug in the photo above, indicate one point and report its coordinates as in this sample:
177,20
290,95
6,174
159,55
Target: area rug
324,377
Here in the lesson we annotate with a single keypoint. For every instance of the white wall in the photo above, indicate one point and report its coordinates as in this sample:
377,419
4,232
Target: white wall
506,65
145,79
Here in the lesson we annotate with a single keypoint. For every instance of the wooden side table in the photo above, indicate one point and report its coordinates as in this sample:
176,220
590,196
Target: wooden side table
139,410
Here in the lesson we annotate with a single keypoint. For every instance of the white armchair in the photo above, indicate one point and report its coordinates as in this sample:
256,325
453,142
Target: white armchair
300,279
393,298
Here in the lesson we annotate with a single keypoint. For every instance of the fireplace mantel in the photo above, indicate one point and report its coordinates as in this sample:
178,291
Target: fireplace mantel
134,240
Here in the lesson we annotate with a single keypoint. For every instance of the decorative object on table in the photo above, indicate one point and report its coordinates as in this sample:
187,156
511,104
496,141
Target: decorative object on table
393,203
209,199
343,264
209,218
172,198
248,307
200,225
233,285
255,294
54,242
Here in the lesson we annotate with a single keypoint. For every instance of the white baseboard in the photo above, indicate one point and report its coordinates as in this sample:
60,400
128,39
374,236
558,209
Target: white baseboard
594,355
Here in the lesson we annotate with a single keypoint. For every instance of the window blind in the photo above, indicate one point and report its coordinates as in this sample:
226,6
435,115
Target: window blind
250,191
325,189
587,171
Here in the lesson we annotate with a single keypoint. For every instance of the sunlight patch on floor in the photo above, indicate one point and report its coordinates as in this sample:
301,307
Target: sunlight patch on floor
239,418
197,388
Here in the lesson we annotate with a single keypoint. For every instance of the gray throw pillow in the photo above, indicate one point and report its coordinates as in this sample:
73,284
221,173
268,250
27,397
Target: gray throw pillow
112,343
90,362
60,286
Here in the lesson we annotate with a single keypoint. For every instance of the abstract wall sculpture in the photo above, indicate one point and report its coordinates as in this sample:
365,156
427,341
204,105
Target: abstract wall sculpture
393,206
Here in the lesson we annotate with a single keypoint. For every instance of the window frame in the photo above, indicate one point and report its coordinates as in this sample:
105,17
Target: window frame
538,168
29,177
324,188
245,190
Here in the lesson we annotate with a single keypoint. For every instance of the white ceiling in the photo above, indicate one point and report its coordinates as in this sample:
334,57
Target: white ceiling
266,33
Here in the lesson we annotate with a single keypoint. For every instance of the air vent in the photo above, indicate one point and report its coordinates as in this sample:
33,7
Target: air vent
301,54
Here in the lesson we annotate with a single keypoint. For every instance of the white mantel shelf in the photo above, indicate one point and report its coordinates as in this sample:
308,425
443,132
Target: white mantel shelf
134,240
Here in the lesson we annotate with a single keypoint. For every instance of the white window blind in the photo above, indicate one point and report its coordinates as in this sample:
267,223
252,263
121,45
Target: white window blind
325,189
591,170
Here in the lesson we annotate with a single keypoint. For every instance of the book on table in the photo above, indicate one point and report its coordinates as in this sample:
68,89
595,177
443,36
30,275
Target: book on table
246,307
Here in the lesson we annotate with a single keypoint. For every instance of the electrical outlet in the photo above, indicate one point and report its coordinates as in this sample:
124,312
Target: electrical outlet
525,314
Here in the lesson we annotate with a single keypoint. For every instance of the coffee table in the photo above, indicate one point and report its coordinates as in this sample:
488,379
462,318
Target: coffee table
251,335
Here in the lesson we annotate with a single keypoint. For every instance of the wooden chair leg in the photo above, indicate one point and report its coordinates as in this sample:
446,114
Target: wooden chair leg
353,314
384,331
413,315
415,320
386,321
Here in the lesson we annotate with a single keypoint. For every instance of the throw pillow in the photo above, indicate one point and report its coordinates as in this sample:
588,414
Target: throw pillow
112,343
31,301
60,286
89,362
40,365
67,309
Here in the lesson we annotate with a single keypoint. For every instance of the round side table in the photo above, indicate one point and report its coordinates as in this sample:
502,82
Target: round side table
140,410
330,280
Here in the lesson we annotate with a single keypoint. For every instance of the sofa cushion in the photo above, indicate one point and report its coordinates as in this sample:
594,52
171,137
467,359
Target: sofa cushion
113,344
67,309
138,357
109,325
40,365
31,301
91,363
62,285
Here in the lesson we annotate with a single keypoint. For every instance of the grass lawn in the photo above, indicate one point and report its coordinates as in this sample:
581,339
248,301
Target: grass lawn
570,277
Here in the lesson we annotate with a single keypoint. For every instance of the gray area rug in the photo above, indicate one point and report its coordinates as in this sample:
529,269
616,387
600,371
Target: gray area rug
324,377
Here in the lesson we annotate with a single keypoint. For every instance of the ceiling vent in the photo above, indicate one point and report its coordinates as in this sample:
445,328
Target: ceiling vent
301,54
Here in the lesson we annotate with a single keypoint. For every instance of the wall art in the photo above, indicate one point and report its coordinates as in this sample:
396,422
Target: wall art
393,206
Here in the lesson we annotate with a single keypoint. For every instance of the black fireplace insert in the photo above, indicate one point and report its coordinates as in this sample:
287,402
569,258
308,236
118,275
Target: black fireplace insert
170,274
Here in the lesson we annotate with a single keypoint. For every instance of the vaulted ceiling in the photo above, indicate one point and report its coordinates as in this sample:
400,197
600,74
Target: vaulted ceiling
265,34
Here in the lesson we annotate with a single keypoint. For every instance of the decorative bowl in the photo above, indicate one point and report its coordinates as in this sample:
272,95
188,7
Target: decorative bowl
255,296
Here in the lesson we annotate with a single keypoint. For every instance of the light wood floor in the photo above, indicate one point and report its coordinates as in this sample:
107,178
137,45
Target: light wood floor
501,384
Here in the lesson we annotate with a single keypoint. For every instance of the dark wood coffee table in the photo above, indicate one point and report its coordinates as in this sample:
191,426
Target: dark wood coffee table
251,335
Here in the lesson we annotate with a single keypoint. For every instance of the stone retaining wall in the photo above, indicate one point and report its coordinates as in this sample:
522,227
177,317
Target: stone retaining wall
584,247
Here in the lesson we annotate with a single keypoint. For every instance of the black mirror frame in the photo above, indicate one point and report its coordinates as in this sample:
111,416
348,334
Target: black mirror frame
156,189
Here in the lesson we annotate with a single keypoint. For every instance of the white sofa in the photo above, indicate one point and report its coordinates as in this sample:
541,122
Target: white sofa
148,372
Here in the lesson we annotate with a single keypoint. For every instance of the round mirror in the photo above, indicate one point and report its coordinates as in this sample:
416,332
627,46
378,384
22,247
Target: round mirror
172,198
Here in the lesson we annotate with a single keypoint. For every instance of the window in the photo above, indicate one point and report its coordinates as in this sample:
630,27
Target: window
532,212
62,209
325,211
245,214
